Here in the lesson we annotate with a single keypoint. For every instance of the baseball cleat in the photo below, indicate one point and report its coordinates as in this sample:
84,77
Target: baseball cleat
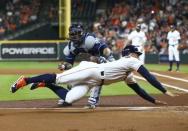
18,84
90,106
62,103
37,85
65,104
170,94
169,69
157,102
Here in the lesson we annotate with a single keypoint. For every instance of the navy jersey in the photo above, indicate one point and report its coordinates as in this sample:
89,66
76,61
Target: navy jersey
89,44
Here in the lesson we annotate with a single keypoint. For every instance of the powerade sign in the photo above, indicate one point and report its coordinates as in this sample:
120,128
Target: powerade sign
29,51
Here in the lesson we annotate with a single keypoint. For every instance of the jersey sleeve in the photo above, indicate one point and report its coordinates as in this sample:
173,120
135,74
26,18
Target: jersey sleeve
130,36
90,41
69,56
134,63
130,79
168,36
66,51
144,37
178,36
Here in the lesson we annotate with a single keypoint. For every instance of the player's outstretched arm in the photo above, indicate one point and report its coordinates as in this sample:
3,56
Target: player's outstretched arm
142,93
152,80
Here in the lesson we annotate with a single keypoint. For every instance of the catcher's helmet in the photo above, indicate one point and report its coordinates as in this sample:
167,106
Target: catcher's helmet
76,32
130,49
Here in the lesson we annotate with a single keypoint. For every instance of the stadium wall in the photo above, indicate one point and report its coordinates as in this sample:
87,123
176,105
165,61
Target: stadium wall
31,50
53,50
156,58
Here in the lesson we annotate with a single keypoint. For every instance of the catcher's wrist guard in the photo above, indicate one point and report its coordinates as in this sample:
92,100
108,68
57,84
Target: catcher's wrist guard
102,60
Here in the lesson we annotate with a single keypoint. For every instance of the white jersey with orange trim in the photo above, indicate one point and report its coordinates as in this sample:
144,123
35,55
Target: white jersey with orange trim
137,38
89,74
173,38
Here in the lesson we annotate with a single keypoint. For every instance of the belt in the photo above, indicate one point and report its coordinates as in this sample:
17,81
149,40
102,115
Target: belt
174,45
102,80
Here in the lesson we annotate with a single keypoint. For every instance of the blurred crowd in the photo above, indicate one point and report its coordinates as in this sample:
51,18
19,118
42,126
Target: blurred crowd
16,14
155,16
113,24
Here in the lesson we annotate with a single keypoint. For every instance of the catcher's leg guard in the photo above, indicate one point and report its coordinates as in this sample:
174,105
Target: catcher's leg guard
94,95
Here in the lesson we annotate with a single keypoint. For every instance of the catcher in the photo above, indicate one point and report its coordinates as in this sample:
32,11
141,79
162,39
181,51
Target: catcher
88,74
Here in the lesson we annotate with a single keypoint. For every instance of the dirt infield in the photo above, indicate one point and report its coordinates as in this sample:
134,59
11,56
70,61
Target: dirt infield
117,113
92,120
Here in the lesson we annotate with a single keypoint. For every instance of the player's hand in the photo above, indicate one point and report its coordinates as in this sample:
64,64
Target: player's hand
157,102
170,94
61,66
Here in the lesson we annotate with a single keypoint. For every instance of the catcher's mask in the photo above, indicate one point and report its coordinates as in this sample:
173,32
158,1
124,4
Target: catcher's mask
76,32
130,49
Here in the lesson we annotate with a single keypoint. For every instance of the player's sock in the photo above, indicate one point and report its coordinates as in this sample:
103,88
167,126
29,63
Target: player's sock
171,64
58,90
178,65
46,78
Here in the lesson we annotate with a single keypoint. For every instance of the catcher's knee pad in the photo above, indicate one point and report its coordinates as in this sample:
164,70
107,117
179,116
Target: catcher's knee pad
94,95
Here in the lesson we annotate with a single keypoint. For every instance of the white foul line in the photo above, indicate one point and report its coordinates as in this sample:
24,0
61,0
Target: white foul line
166,76
167,85
80,109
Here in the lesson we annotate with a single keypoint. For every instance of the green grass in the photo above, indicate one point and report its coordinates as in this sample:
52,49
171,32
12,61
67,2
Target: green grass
28,65
164,67
43,93
26,94
22,94
121,88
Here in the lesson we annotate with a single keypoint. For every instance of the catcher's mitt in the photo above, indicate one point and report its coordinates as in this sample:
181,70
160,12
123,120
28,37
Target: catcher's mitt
64,66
